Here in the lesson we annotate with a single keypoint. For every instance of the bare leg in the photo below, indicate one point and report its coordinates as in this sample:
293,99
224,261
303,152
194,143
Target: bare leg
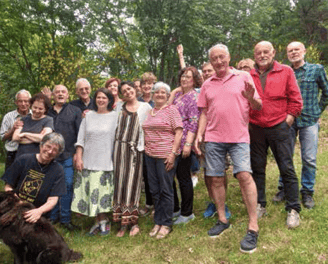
249,193
217,188
208,184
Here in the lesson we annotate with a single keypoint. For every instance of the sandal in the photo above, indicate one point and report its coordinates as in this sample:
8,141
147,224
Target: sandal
155,230
135,230
163,232
122,230
104,227
94,230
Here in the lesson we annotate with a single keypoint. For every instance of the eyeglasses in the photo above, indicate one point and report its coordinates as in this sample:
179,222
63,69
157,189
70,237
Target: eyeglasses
186,76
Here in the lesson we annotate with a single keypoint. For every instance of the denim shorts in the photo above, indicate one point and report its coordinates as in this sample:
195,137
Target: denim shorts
215,158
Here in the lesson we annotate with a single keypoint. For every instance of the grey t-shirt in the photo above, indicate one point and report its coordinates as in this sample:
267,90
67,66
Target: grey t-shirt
33,126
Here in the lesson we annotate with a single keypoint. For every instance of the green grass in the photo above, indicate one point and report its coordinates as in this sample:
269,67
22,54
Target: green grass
190,244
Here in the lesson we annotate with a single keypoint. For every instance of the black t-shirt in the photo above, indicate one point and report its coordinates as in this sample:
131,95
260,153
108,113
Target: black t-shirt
33,126
34,182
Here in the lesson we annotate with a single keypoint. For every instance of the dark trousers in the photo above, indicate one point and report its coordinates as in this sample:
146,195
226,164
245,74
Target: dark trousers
278,139
149,200
160,186
185,185
10,158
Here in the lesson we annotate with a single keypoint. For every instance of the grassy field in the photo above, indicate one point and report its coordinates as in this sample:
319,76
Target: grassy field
190,243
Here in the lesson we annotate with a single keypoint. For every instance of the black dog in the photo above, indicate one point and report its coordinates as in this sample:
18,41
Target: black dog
32,243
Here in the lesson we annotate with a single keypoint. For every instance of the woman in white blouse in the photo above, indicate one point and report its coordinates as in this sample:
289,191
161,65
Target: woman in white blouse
94,180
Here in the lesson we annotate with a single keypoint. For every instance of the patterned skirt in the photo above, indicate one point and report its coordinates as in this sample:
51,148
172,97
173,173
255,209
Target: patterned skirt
93,192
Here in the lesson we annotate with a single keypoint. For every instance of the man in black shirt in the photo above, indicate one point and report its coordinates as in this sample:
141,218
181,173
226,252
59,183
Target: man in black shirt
83,90
67,120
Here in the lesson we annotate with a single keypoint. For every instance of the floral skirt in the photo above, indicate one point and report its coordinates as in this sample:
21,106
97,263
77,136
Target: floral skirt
93,192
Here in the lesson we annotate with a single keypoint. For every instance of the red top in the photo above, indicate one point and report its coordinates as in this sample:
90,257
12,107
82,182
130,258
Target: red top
280,97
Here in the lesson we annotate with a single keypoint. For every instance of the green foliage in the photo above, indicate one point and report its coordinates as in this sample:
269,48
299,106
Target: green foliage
65,66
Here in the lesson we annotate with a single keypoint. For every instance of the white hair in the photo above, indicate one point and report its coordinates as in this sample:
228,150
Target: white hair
161,85
23,91
82,80
220,46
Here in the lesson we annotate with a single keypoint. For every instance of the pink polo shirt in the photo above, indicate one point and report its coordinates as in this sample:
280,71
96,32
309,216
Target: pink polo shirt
228,111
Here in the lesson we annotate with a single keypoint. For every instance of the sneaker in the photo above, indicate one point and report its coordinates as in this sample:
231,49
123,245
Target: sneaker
279,197
184,219
216,230
95,229
210,210
293,219
227,212
104,227
307,201
145,211
261,211
194,180
176,214
249,242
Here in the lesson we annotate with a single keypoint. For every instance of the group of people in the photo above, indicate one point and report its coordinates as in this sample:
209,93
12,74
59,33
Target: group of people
102,148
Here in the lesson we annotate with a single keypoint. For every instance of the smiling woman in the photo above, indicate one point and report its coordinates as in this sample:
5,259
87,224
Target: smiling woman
129,144
38,178
34,126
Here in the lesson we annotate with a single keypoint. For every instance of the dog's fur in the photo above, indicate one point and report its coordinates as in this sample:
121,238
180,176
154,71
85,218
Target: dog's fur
31,243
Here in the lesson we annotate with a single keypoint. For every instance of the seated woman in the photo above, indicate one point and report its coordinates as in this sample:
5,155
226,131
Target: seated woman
128,150
38,178
35,126
163,133
94,180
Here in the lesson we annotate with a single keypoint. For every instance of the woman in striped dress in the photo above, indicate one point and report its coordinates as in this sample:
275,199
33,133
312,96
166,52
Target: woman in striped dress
128,147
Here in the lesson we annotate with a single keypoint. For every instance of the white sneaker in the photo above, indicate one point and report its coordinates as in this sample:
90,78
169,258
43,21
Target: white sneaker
293,219
194,180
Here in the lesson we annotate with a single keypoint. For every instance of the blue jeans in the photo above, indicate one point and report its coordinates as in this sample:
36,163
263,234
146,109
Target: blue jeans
308,137
161,187
62,210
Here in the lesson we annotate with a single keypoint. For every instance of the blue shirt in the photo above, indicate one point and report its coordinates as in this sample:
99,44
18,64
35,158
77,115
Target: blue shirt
312,78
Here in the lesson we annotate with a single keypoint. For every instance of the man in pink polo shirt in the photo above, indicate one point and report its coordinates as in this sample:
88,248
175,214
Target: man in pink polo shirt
225,99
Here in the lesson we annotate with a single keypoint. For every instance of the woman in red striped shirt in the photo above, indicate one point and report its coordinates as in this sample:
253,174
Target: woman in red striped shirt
163,133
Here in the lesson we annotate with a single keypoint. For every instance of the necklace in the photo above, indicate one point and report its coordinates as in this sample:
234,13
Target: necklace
152,110
42,166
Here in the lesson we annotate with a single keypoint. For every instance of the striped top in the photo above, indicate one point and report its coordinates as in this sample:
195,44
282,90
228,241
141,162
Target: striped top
7,123
160,131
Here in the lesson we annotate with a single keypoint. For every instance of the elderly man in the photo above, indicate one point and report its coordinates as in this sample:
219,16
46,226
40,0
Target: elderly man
83,90
282,103
38,178
11,121
225,100
67,120
311,79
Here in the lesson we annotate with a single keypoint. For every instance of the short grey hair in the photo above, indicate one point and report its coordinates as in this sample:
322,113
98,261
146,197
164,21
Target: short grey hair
23,91
54,138
220,46
161,85
82,80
